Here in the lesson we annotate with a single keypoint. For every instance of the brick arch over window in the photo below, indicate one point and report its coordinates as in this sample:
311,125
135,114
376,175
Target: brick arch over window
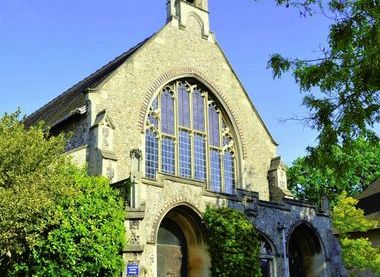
184,72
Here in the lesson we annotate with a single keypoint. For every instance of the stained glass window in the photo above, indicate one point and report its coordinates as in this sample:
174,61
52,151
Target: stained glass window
167,110
153,121
184,154
200,157
198,111
151,154
215,170
183,136
168,156
228,173
183,106
155,103
213,123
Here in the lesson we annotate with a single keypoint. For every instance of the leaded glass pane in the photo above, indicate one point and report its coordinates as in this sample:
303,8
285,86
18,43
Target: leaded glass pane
153,121
155,103
184,154
183,106
198,111
168,156
215,170
167,111
213,124
229,174
226,140
188,129
199,157
151,155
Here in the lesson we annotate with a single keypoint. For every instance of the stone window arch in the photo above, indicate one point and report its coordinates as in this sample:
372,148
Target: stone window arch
188,134
267,256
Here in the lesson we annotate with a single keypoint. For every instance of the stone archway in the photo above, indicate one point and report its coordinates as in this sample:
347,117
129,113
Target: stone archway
181,245
306,255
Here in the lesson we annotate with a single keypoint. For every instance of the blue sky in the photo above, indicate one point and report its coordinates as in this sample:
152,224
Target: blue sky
48,46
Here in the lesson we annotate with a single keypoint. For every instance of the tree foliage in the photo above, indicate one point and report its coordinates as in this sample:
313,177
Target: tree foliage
357,253
54,219
233,243
351,171
347,73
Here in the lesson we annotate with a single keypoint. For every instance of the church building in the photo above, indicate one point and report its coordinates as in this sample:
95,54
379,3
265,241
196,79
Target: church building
170,124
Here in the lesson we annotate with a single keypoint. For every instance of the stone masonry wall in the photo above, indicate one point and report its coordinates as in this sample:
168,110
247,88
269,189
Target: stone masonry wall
170,54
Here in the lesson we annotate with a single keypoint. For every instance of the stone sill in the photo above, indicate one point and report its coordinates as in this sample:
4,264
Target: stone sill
163,177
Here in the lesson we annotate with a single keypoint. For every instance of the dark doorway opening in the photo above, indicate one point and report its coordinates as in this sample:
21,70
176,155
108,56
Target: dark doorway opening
181,244
306,257
171,250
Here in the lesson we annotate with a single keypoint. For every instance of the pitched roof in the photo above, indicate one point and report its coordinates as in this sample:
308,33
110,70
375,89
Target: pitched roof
373,189
91,81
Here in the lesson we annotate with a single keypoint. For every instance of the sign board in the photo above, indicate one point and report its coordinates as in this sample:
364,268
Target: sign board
132,270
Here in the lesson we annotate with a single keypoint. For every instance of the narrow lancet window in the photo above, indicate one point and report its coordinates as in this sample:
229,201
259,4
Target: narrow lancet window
183,106
167,110
213,125
200,157
184,154
215,171
198,111
151,154
228,173
168,156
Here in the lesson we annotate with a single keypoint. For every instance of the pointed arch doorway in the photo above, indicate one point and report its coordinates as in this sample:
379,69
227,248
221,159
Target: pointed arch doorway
306,255
181,245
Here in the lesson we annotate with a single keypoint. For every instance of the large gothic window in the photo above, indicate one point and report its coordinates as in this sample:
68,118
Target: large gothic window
188,135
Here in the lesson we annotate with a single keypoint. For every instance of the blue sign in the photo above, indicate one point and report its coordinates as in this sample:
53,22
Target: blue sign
132,270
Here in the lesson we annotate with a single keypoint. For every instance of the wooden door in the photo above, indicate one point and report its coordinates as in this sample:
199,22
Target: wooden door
171,250
170,261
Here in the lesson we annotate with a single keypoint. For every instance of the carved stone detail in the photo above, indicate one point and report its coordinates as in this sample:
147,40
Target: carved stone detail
134,225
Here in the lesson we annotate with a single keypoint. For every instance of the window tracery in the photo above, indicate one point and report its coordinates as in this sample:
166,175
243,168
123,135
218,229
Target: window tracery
188,135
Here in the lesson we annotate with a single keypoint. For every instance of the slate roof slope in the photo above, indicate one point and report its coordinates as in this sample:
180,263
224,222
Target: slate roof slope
373,189
73,98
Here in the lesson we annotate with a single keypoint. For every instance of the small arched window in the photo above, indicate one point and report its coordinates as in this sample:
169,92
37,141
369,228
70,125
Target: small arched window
188,135
266,257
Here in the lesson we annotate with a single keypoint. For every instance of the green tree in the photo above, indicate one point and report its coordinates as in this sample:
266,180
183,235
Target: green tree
346,74
228,234
351,171
357,253
54,219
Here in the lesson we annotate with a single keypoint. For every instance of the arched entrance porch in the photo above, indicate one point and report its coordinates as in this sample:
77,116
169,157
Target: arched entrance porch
181,244
306,255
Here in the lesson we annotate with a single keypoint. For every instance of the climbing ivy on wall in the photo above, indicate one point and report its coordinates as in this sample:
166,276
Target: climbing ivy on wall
233,243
